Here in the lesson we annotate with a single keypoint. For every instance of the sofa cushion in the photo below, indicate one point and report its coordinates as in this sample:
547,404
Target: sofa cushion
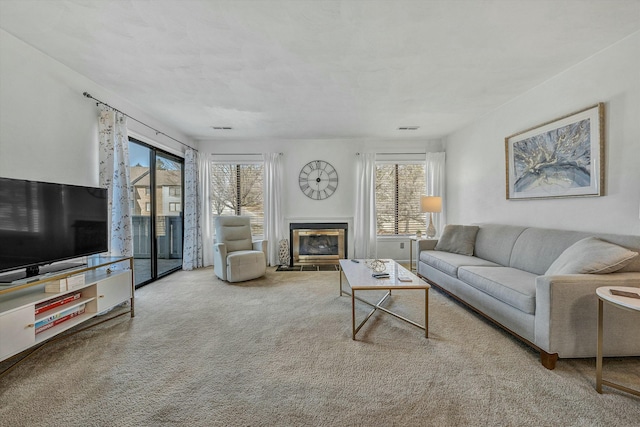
458,239
509,285
629,242
591,256
537,248
448,262
494,242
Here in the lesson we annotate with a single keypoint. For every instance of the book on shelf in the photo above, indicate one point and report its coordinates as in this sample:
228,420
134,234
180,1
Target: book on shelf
53,317
56,302
60,318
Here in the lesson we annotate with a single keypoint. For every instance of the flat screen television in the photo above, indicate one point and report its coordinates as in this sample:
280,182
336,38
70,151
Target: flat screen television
43,223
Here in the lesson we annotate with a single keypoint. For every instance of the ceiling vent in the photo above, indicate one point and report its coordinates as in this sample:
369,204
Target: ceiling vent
409,128
221,127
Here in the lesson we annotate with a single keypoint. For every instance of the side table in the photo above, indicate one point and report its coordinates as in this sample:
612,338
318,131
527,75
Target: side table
415,239
604,295
412,239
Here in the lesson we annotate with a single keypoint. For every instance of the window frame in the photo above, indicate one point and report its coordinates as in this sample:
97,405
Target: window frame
400,159
239,161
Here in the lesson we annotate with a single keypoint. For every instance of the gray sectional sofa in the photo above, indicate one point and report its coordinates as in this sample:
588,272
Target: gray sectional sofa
504,279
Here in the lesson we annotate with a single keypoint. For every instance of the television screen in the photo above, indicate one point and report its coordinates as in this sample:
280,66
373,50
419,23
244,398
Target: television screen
42,222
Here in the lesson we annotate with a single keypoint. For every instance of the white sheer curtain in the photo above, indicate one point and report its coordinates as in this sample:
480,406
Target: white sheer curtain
206,221
364,223
114,175
434,168
192,246
273,224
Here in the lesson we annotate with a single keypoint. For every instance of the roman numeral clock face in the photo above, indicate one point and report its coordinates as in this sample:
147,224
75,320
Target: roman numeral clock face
318,180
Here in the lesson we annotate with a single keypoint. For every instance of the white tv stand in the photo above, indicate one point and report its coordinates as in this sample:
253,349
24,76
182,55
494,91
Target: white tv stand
104,287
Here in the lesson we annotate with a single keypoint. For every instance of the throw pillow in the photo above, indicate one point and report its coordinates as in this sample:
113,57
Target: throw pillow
458,239
591,256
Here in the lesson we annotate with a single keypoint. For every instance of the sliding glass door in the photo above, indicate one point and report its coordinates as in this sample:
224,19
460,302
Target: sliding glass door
140,176
168,232
157,182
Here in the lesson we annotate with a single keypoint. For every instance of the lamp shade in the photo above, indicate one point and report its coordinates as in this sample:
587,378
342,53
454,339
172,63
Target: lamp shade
430,204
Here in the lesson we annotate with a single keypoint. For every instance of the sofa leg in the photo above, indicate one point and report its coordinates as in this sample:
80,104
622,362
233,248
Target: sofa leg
548,360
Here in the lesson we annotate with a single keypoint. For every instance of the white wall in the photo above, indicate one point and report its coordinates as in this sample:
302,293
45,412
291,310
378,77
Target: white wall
342,155
476,157
48,129
48,132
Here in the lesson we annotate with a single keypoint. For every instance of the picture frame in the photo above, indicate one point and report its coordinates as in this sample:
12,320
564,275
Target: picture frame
560,158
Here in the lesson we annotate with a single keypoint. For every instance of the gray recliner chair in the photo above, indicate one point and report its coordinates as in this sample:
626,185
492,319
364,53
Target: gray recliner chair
236,257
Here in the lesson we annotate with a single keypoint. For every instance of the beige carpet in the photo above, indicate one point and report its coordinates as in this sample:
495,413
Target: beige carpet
278,352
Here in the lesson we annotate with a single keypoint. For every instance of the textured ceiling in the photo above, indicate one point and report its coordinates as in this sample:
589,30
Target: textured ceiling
302,69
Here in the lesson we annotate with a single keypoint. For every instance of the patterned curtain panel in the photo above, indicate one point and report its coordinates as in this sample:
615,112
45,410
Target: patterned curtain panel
364,222
434,176
114,175
192,250
273,224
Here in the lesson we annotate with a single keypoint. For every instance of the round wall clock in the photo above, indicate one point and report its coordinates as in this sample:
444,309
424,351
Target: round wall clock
318,180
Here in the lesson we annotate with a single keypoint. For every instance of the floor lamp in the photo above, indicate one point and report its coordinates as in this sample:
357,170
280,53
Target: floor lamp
431,204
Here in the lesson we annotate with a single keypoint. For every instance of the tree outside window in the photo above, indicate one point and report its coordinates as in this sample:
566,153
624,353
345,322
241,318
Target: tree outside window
398,190
236,189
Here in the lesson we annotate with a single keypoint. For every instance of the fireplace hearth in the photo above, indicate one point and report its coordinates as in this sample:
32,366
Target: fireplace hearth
317,242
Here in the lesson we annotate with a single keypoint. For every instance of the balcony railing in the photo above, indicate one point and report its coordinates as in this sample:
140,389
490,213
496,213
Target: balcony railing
169,230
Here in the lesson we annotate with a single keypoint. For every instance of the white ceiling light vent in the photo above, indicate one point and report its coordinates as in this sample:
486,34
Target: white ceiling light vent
409,128
221,127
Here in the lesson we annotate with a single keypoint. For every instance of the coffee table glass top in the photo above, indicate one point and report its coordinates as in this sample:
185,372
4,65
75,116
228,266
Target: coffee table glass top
359,276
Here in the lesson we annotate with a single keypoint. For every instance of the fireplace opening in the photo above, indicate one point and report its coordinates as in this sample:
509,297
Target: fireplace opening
317,243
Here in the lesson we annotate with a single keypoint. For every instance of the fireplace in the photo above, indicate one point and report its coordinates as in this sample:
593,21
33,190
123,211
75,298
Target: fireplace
317,242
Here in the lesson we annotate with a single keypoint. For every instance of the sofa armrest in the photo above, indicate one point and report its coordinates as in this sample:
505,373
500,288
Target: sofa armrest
261,245
567,314
220,260
426,245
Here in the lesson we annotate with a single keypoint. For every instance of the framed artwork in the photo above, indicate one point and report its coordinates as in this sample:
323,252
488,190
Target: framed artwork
560,158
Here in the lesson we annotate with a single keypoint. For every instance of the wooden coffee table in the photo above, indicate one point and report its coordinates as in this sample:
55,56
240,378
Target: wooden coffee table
359,277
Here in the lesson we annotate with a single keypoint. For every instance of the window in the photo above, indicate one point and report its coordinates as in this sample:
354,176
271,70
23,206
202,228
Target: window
148,207
398,190
236,189
174,207
175,191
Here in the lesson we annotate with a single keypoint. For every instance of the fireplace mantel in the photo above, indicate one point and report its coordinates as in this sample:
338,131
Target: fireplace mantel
348,220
